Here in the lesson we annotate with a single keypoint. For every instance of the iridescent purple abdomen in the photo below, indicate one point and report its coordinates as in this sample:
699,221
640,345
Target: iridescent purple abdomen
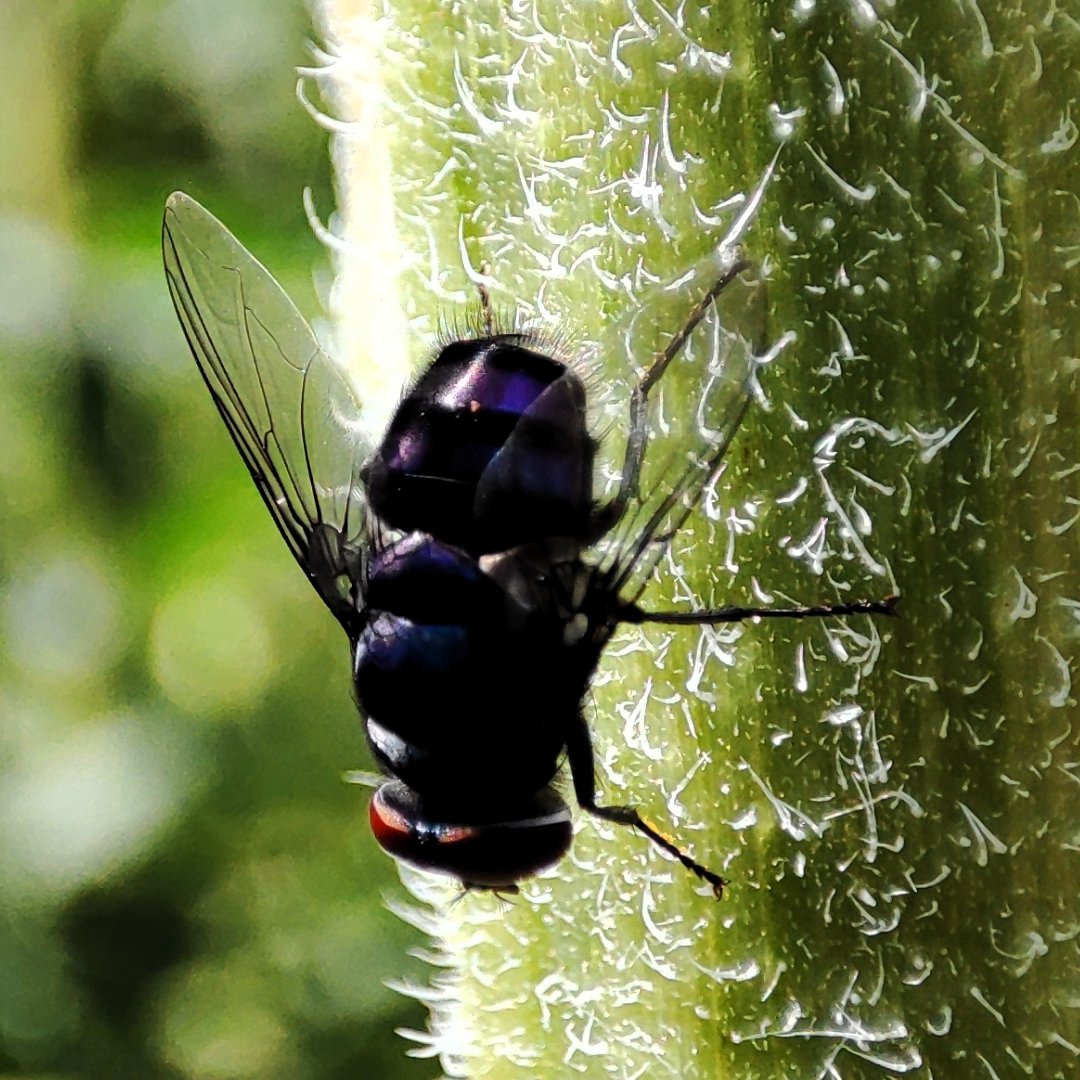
489,450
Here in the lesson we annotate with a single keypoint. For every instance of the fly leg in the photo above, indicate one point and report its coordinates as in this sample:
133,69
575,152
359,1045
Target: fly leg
486,311
631,613
638,438
580,755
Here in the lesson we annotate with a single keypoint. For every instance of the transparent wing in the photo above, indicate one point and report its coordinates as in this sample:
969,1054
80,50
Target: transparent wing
693,414
289,410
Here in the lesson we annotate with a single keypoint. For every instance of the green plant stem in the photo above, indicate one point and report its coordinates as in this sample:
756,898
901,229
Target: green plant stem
895,807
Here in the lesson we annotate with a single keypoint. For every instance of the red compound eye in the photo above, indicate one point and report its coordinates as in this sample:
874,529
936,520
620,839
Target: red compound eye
524,840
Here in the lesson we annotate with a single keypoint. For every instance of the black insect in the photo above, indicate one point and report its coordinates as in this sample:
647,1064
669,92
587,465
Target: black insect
466,557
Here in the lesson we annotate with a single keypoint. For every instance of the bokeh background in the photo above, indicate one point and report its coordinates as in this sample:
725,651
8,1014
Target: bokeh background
187,888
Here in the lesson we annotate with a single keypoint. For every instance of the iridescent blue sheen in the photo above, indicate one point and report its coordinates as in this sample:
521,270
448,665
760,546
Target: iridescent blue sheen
481,385
489,450
430,582
397,647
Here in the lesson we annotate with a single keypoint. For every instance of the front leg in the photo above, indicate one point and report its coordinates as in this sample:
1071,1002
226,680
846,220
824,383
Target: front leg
582,769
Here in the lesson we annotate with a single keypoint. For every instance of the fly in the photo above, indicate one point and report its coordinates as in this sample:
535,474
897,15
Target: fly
475,572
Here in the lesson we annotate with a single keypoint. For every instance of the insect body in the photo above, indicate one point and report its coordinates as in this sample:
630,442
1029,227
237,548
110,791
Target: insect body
460,556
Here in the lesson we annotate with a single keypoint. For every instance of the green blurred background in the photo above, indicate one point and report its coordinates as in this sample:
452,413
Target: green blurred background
187,888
